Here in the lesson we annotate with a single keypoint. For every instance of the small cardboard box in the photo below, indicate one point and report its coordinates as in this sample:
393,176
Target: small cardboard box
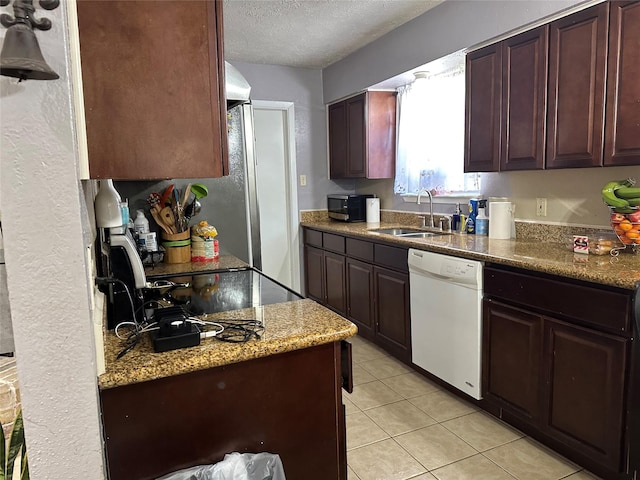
581,244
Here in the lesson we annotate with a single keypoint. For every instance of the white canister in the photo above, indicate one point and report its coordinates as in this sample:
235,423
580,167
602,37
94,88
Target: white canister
373,210
500,219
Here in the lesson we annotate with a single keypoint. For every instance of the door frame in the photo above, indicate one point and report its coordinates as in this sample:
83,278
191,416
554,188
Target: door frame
290,183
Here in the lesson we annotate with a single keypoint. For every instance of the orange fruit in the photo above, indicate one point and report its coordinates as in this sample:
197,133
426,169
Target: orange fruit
618,230
625,225
633,234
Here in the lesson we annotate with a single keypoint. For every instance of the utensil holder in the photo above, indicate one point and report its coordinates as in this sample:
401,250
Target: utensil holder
177,247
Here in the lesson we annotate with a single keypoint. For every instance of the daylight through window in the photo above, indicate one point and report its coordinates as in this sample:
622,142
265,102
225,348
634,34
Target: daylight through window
430,148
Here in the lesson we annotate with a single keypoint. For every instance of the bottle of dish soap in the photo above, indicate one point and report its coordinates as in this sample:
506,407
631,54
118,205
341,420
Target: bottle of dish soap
455,219
482,221
473,213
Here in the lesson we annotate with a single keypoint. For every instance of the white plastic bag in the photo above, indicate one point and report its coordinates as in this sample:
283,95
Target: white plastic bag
235,466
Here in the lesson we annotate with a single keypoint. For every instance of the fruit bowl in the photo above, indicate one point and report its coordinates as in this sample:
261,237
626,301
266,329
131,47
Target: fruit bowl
626,226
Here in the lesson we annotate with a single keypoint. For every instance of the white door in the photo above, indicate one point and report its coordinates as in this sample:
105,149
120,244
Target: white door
277,194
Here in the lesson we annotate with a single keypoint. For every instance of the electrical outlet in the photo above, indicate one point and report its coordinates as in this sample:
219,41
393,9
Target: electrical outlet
541,207
303,180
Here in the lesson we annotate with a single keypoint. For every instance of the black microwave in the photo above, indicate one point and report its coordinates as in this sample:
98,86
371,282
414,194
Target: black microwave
348,208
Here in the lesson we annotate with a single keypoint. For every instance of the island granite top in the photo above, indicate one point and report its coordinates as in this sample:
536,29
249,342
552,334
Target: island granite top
287,326
224,262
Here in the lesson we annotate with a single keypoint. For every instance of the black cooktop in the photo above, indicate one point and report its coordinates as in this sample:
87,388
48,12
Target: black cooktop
227,290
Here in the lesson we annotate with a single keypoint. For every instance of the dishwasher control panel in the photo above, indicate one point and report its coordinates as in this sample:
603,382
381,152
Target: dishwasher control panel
457,270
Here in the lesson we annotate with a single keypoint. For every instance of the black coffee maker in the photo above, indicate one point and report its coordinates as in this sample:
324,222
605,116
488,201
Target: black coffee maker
125,280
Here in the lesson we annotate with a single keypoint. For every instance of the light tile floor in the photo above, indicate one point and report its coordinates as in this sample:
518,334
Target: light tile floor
402,426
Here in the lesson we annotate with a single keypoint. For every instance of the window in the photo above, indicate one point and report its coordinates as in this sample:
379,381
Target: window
430,149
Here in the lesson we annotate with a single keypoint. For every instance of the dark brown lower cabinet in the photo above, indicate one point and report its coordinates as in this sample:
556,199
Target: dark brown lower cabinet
586,389
314,268
512,356
335,287
554,367
360,297
392,317
289,404
325,278
367,282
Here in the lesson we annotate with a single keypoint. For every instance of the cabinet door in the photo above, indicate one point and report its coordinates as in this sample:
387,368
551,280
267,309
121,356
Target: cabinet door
153,81
586,390
357,146
577,66
381,134
524,100
334,286
338,140
622,137
314,273
360,297
482,111
511,358
393,320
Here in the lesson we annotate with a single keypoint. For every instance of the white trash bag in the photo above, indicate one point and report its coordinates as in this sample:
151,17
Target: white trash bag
235,466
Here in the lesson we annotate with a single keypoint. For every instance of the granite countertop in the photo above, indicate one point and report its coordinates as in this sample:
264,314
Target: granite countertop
287,326
225,262
549,257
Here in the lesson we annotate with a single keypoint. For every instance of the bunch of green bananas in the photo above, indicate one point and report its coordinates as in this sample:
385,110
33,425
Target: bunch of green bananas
621,195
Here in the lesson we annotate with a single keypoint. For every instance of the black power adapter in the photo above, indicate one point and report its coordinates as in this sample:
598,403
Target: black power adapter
174,330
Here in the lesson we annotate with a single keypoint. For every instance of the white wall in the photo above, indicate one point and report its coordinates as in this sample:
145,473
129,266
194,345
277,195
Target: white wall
47,235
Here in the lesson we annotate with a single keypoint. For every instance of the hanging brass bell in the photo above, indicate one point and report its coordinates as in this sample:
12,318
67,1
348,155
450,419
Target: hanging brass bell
21,56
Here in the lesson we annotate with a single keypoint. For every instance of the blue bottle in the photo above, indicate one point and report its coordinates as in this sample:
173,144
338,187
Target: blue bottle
473,213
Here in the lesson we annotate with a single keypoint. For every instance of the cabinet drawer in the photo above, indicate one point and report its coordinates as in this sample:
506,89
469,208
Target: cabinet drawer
360,249
313,237
332,242
593,305
393,257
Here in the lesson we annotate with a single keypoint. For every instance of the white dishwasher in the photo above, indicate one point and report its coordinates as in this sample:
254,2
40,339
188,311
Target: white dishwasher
446,318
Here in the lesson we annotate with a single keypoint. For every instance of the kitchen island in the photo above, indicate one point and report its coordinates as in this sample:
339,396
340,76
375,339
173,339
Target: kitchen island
166,411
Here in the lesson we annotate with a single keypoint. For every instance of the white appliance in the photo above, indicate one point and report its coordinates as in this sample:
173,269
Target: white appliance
446,318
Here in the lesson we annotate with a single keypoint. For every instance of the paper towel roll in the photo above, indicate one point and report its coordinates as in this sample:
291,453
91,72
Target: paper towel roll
500,220
373,210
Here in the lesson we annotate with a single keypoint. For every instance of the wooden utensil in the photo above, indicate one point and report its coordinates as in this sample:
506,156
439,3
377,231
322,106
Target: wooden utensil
166,214
155,213
185,198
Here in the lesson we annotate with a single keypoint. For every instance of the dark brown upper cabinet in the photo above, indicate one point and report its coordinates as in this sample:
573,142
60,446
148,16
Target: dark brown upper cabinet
577,72
524,100
622,139
506,104
568,94
154,93
362,136
482,109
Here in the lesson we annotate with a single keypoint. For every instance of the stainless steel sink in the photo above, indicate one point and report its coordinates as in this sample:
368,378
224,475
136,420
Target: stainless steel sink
409,232
422,234
398,231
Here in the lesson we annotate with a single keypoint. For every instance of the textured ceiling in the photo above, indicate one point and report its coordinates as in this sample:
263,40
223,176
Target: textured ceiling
310,33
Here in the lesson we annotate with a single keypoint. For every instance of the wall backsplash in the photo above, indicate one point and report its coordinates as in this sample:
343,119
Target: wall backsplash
573,195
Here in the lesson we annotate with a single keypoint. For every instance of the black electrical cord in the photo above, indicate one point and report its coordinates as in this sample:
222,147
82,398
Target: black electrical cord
106,280
139,329
239,331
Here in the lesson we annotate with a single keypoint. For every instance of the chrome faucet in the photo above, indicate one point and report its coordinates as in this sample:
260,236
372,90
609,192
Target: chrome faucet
431,224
